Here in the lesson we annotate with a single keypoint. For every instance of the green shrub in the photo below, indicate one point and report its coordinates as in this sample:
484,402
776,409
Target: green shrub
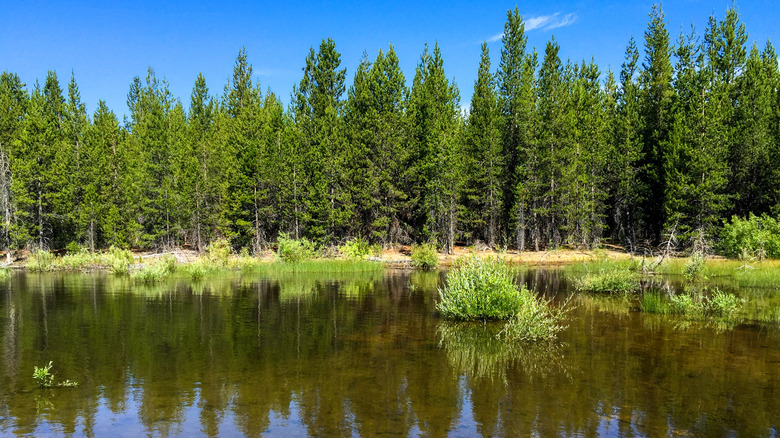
294,251
76,260
168,262
154,273
425,256
609,281
481,289
197,270
356,249
759,236
536,321
694,268
73,248
218,252
118,260
724,305
40,261
5,273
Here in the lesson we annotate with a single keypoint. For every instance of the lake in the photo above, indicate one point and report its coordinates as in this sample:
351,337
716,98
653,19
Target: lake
362,354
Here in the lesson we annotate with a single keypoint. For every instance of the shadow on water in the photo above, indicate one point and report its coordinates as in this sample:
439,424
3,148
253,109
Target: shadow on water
363,354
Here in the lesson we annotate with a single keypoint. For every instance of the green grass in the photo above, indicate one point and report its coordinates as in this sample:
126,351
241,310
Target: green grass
698,306
157,271
481,289
486,289
609,281
320,266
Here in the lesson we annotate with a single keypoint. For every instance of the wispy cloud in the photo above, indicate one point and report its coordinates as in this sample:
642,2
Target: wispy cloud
566,20
543,22
496,37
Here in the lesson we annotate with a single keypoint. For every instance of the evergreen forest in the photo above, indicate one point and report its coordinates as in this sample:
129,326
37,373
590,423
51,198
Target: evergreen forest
550,153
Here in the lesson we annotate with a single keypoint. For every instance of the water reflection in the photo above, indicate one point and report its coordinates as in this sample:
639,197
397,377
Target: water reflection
359,355
475,349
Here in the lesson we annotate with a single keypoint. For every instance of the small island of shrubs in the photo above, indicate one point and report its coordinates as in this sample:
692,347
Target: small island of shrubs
486,289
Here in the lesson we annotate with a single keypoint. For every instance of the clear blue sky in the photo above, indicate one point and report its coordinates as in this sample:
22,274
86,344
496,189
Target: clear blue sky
105,43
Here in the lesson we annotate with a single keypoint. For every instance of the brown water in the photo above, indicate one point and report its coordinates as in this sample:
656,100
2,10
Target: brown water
361,355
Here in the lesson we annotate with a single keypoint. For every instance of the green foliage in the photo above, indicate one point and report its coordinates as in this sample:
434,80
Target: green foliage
758,235
319,266
536,321
609,281
41,261
76,260
486,289
425,256
358,248
5,273
218,253
45,379
157,271
42,376
118,260
290,250
694,268
481,289
717,306
73,248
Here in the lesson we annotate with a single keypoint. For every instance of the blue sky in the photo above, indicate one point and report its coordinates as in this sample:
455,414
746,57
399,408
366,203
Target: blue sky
105,44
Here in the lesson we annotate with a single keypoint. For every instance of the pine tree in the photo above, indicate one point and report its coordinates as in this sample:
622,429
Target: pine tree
626,185
656,93
73,167
433,115
485,163
553,160
517,102
590,151
317,105
13,103
149,183
244,122
696,151
375,130
201,166
102,165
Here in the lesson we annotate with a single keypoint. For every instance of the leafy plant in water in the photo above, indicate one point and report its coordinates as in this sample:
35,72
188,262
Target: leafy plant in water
719,306
45,379
42,376
481,289
486,289
425,256
537,320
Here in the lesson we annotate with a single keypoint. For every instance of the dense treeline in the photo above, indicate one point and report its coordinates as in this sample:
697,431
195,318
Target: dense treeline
551,152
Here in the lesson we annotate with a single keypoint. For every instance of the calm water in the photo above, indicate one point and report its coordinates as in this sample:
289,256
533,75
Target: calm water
361,355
